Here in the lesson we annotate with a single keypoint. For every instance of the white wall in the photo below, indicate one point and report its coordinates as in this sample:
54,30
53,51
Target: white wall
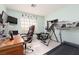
68,13
40,21
2,8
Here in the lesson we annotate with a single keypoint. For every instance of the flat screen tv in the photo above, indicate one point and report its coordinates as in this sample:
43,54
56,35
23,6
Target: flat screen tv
12,20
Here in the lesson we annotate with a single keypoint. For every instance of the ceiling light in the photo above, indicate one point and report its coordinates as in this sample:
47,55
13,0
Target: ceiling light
33,5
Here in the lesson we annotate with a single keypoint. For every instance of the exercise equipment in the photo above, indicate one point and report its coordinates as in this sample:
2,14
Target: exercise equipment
50,31
43,37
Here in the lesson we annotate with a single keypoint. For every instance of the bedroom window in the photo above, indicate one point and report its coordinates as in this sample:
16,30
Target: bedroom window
26,23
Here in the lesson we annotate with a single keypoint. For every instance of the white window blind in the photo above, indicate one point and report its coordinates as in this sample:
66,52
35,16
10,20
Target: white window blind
26,23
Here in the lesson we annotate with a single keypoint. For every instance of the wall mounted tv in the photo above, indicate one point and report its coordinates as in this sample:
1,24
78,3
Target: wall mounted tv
12,20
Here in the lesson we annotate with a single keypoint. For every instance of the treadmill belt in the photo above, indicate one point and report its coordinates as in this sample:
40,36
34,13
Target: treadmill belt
65,49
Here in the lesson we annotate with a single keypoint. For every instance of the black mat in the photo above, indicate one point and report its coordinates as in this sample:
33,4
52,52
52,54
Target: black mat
65,48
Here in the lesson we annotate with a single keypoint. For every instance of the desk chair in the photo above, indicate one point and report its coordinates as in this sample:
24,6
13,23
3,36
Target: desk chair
28,37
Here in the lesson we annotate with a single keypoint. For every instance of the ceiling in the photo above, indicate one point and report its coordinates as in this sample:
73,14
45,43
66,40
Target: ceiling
38,9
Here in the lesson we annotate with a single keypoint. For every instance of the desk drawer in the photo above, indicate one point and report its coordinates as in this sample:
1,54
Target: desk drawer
17,50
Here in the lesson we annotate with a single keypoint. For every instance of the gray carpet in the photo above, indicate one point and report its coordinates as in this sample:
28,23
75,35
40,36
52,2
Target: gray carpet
65,49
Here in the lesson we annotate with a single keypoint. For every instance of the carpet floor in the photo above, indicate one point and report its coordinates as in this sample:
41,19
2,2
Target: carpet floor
65,49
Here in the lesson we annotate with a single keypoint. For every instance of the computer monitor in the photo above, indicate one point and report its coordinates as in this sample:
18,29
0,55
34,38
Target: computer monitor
4,16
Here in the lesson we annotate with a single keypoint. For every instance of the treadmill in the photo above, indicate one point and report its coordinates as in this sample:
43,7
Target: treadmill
65,48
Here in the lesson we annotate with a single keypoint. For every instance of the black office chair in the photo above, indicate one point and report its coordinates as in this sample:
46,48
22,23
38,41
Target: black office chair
28,36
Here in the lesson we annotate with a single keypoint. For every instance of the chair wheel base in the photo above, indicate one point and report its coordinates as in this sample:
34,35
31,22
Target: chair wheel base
32,50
